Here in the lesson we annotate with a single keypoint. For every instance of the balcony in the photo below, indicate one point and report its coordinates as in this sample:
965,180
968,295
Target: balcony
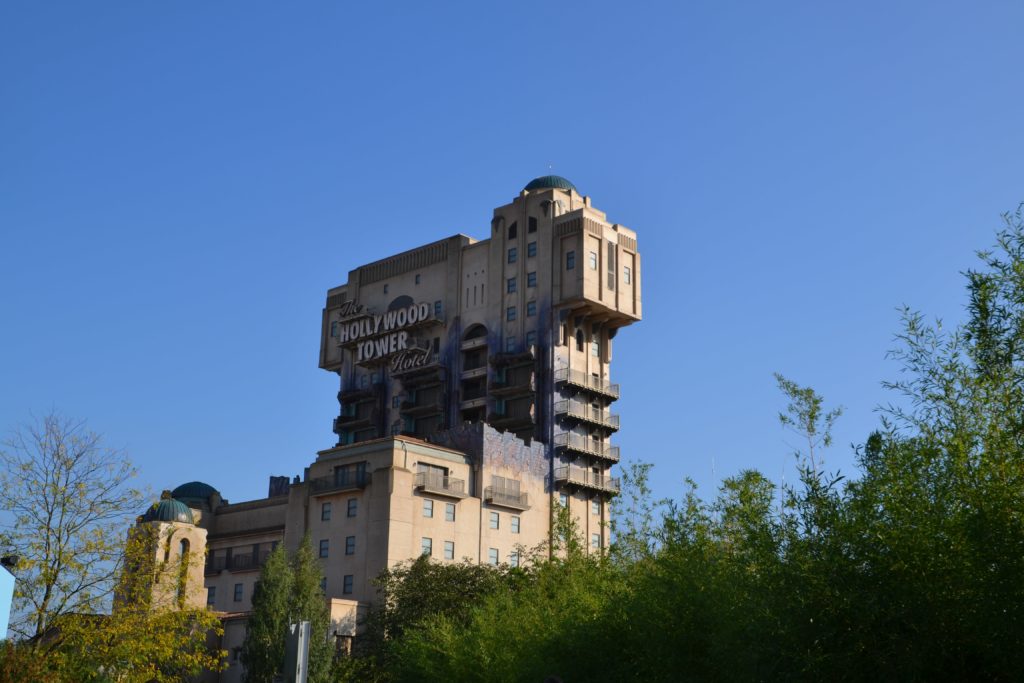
511,420
514,386
474,343
237,563
581,445
515,358
582,380
505,498
341,481
354,422
587,413
428,482
571,475
429,407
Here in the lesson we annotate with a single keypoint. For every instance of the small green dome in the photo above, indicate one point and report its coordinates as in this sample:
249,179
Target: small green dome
198,491
169,510
546,182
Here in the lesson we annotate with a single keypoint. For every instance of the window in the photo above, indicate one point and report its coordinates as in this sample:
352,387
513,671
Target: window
396,401
353,506
426,546
531,309
532,225
531,338
334,328
595,541
438,308
510,344
563,499
238,592
346,584
515,524
512,230
595,345
350,545
385,289
531,279
428,507
324,546
211,596
595,507
626,275
510,286
449,550
510,313
492,555
579,340
325,512
592,260
531,249
513,558
495,520
323,585
449,512
512,255
570,260
417,278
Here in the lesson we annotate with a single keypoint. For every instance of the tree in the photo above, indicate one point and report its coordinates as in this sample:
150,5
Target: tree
288,592
67,497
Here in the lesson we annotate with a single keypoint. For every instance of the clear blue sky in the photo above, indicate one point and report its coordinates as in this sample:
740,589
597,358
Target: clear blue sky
180,183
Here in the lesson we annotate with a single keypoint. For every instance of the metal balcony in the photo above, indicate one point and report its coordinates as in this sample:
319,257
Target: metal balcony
584,478
441,485
587,413
353,422
590,383
514,387
340,481
413,409
576,443
505,498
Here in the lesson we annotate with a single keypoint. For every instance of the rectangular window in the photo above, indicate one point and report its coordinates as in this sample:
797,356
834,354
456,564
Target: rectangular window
510,286
627,276
350,545
563,499
595,507
211,596
511,254
510,313
426,545
515,524
417,278
449,550
595,541
353,505
595,346
346,584
495,520
510,344
438,307
513,558
592,260
492,555
334,328
512,231
531,249
238,592
531,309
428,507
449,512
570,260
324,546
325,512
532,225
531,279
323,585
531,338
396,401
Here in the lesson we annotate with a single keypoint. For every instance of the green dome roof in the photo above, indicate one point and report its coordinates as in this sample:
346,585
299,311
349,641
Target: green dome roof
194,490
546,182
169,510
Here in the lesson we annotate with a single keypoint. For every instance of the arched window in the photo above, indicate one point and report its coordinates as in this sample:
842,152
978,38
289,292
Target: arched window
183,547
579,340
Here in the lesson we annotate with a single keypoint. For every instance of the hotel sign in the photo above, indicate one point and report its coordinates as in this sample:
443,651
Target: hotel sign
378,336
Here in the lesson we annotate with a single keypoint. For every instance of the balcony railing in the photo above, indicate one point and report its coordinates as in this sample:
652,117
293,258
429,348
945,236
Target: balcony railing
441,485
506,498
340,481
580,476
581,444
237,563
581,379
587,412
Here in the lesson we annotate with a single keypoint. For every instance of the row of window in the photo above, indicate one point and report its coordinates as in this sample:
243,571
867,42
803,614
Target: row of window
513,229
595,504
510,341
427,548
352,508
510,283
449,510
531,310
350,546
513,252
495,522
570,263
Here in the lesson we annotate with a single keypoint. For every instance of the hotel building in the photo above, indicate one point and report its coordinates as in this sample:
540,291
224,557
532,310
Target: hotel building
475,396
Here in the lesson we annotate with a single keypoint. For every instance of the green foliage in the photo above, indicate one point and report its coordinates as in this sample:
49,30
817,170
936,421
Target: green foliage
288,592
